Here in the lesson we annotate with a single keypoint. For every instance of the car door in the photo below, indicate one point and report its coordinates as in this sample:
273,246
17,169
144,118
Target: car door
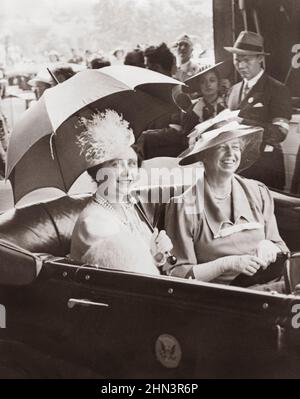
125,325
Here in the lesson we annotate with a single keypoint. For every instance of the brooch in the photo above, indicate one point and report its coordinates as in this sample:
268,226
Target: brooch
250,100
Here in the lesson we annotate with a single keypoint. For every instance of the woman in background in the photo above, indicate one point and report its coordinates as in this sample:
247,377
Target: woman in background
211,102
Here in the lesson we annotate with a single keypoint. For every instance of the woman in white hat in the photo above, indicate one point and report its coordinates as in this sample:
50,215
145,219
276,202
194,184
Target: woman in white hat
40,83
109,232
224,225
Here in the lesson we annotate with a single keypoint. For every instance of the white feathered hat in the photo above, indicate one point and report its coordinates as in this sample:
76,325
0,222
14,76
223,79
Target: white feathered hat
106,136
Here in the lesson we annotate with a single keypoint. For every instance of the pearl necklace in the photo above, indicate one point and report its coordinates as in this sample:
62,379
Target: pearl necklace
219,198
125,207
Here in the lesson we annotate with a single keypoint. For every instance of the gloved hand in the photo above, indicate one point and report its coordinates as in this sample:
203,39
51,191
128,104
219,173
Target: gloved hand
267,251
160,245
245,264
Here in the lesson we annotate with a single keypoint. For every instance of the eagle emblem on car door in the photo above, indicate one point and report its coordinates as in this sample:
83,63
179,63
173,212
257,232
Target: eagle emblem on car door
168,351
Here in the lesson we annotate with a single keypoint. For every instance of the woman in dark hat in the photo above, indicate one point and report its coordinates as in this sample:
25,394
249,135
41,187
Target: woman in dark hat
211,102
170,141
224,225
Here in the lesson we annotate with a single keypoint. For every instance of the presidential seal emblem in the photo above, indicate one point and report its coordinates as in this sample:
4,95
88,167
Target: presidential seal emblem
168,351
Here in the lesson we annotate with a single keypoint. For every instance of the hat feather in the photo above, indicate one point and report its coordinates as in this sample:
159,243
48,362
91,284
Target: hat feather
106,134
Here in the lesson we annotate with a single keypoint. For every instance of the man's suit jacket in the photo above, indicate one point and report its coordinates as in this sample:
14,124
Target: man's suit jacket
267,104
268,100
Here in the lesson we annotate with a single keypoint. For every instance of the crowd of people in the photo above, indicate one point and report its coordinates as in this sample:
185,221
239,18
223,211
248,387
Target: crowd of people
175,61
225,224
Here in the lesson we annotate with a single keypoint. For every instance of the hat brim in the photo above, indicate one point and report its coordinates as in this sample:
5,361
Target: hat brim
34,82
221,67
201,73
235,50
250,152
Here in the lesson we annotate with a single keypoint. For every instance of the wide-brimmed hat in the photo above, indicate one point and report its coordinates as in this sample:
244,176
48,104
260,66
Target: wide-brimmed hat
248,43
106,136
223,68
221,133
41,77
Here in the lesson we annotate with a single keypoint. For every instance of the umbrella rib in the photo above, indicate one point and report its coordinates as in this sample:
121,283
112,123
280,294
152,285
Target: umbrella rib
58,162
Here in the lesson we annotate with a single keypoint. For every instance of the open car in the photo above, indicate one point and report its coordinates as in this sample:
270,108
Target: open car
69,320
63,319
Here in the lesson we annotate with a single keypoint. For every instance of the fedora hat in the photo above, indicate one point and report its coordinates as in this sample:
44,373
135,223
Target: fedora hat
222,132
248,43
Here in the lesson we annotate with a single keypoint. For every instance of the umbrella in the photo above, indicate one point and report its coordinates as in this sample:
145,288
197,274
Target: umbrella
140,95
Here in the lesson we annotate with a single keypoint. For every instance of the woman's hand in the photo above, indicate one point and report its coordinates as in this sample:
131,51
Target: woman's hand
267,251
160,244
245,264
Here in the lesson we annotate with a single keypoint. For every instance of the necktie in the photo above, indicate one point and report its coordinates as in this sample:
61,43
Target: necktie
208,111
245,90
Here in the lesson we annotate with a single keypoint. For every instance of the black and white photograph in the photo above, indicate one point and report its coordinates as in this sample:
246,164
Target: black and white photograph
149,192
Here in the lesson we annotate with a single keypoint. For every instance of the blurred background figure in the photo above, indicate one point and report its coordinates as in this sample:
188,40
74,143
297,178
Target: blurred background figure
118,56
88,56
4,129
135,58
3,81
53,56
76,58
63,73
41,82
184,50
160,59
99,62
4,136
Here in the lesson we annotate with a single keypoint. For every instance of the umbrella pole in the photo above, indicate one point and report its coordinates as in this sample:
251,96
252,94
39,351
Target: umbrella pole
171,259
53,149
53,76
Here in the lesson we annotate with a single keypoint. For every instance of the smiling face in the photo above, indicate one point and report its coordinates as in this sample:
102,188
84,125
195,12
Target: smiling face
248,66
119,174
209,85
223,159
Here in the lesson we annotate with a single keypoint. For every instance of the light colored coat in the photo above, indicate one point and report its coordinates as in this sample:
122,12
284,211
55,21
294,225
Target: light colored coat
100,238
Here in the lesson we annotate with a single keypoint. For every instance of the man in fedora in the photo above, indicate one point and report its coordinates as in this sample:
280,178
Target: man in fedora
262,101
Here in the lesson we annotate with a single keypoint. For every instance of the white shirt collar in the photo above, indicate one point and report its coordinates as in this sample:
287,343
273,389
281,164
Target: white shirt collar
185,66
254,80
